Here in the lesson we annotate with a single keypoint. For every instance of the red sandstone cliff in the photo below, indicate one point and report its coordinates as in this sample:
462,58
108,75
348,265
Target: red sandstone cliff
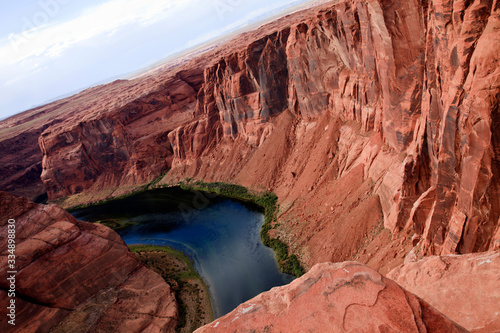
353,112
74,276
400,99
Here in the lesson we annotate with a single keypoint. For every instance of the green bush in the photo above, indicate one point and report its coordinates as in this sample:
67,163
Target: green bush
269,202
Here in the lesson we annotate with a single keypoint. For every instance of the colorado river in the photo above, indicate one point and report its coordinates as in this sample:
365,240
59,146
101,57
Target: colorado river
222,238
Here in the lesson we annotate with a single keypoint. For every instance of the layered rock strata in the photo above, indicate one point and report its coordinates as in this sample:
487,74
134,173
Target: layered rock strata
75,276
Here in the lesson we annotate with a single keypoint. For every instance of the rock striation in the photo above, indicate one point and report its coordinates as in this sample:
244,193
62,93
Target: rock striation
465,288
342,297
353,112
75,276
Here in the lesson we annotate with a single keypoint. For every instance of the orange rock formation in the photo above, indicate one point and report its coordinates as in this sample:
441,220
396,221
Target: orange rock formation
342,297
465,288
77,275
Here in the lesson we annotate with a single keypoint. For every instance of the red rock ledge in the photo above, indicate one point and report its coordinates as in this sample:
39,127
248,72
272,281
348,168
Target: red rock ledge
341,297
76,275
466,288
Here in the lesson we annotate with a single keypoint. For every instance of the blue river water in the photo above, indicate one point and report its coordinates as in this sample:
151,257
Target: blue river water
220,236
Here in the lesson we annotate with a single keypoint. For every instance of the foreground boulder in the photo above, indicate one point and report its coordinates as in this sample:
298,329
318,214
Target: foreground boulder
75,276
466,288
342,297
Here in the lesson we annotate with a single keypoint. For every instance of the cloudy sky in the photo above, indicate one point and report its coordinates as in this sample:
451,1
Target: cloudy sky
50,48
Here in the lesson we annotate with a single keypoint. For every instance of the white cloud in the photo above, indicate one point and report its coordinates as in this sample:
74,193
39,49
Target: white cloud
235,25
52,39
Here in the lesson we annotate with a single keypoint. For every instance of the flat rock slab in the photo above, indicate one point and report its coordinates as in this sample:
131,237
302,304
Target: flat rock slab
466,288
341,297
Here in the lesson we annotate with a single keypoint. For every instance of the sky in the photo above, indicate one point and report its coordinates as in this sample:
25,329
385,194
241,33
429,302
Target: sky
50,48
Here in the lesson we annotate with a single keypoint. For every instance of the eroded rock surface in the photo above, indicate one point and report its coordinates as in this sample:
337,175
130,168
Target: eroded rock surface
342,297
77,275
356,113
465,288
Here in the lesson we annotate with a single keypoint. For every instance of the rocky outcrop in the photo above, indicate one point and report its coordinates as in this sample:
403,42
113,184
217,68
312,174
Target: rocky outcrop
75,276
353,112
21,165
343,297
465,288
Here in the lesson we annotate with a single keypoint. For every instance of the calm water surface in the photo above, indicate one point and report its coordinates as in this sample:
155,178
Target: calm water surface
222,238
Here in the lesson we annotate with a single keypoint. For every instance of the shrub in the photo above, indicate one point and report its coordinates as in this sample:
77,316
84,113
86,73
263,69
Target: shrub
268,201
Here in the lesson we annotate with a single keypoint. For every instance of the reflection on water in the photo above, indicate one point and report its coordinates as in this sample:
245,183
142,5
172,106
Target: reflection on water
222,239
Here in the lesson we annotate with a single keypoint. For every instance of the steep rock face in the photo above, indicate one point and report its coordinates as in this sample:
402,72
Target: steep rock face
127,146
77,275
20,156
353,112
457,128
249,86
465,288
343,297
21,165
420,81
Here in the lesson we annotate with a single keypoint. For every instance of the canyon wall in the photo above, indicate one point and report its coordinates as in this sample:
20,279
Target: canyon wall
373,121
405,96
126,146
